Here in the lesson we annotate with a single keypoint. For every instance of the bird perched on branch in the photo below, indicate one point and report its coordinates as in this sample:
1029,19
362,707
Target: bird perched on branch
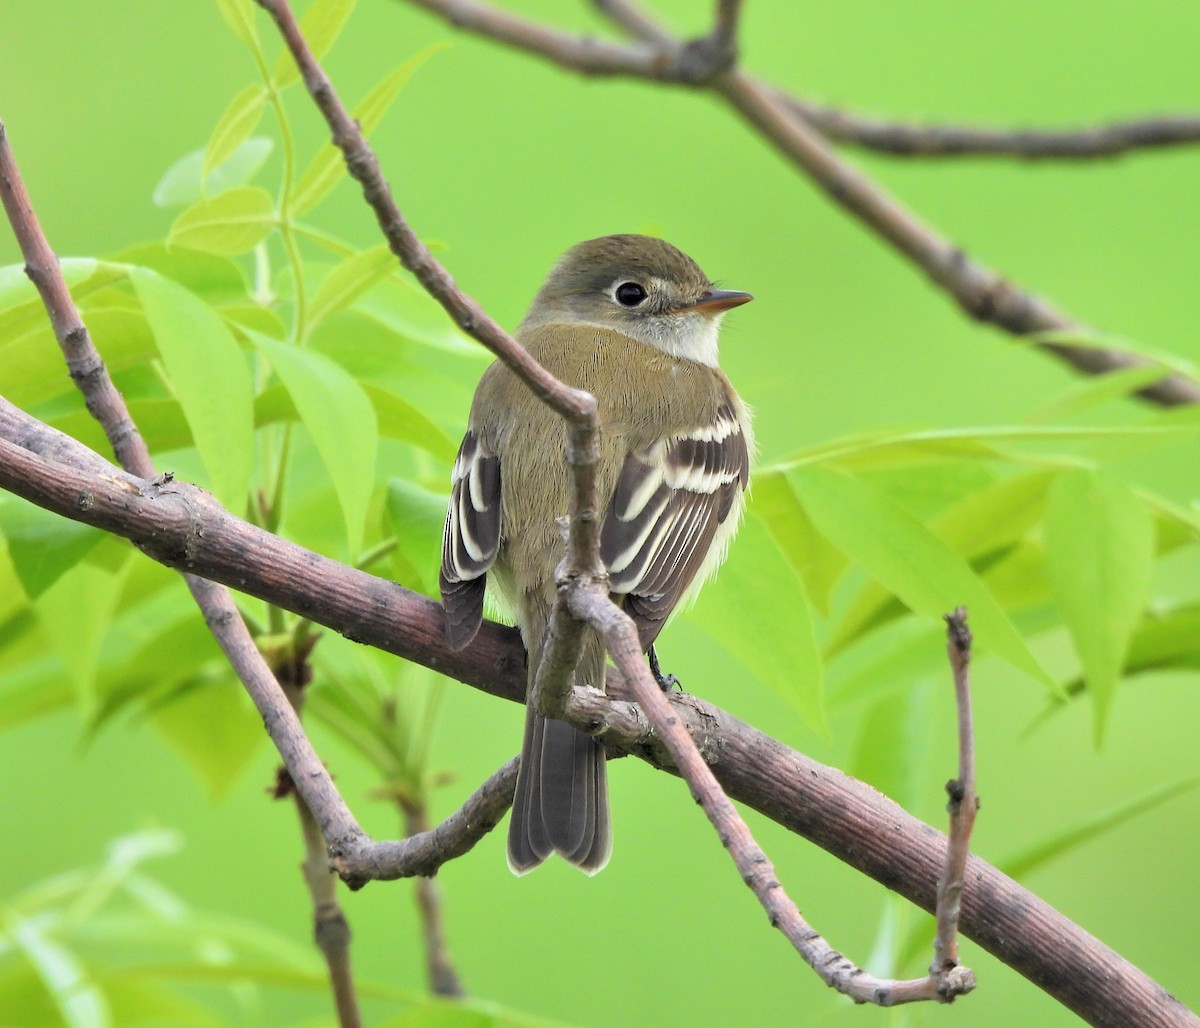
633,321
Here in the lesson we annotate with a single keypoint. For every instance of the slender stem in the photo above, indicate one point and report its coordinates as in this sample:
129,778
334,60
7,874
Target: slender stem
964,802
443,978
331,932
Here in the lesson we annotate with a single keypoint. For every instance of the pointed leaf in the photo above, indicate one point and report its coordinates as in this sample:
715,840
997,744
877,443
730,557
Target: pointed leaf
416,517
1099,555
399,419
892,751
758,612
1037,856
41,545
214,728
80,1003
1042,853
184,182
891,449
239,16
909,560
326,169
340,420
981,524
75,614
407,310
238,121
813,557
1166,640
321,25
347,281
210,378
1091,391
232,223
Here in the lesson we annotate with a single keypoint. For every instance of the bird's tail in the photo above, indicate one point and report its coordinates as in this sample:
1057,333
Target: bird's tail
561,804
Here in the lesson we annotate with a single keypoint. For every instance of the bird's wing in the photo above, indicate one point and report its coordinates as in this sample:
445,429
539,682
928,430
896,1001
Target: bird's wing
669,502
470,539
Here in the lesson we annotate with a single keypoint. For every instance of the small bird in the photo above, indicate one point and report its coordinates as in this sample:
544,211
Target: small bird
633,321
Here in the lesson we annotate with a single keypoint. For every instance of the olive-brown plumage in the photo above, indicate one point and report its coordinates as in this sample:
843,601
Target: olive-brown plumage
633,321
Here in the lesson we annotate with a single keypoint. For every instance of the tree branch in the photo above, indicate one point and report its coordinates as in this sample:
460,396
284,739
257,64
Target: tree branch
899,139
980,292
181,525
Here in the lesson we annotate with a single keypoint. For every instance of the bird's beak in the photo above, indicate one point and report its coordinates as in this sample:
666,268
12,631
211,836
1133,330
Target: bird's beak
717,300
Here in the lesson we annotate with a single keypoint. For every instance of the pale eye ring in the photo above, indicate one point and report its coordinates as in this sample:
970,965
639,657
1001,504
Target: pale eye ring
629,294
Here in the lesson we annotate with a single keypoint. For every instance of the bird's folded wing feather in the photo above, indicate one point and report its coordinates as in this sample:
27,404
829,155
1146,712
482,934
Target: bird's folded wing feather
670,499
470,539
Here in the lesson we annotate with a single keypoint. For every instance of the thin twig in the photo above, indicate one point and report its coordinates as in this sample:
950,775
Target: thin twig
443,977
964,802
331,930
181,524
421,854
982,293
899,139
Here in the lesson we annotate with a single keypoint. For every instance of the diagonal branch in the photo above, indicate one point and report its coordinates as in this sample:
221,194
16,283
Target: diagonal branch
980,292
182,526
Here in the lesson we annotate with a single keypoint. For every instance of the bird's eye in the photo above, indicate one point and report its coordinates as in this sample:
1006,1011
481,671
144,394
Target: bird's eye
629,294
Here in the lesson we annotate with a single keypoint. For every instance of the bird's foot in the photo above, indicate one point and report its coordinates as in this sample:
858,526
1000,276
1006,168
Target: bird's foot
665,682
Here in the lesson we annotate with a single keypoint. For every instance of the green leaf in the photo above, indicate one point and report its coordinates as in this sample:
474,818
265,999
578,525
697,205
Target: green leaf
904,653
895,449
814,558
1091,391
215,279
65,977
416,517
321,25
909,560
407,310
326,169
42,546
212,725
978,526
399,419
892,751
21,309
347,281
1040,854
239,16
238,121
232,223
339,418
1099,556
210,378
1166,640
75,614
184,181
34,690
758,612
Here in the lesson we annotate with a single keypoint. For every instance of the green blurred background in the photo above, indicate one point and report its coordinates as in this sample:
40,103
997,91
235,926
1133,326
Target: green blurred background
507,161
